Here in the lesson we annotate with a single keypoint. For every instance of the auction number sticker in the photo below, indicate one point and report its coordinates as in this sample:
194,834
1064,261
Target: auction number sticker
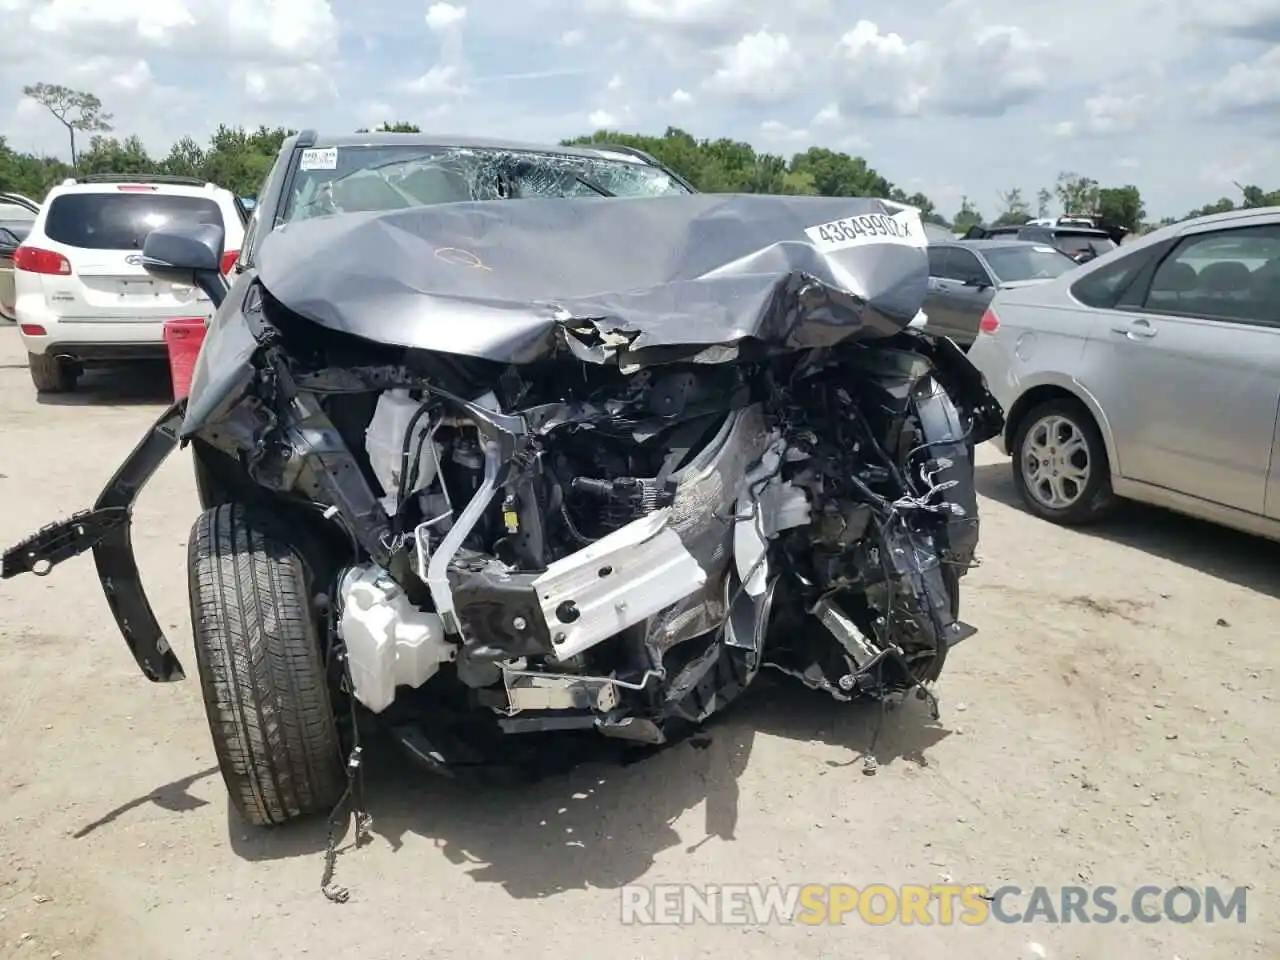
866,228
319,158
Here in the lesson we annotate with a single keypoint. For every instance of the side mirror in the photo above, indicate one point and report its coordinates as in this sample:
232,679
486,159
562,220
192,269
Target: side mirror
188,253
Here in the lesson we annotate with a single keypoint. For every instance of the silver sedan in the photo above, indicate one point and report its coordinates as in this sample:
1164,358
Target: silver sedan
1151,373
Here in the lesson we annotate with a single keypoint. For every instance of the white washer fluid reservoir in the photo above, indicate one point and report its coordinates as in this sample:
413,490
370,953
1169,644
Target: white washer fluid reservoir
389,641
384,443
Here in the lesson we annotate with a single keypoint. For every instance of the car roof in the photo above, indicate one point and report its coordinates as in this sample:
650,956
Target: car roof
1074,231
211,190
379,138
986,244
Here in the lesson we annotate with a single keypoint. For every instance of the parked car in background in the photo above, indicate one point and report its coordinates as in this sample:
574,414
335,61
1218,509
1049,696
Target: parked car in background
16,207
17,214
1152,373
81,293
1080,243
12,233
965,274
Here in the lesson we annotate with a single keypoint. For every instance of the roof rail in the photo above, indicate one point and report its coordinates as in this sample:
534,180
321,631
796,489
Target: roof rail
621,148
639,154
19,200
140,178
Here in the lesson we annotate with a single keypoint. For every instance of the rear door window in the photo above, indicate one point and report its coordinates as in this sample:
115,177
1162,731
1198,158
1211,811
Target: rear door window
962,265
1225,274
121,221
938,261
1092,244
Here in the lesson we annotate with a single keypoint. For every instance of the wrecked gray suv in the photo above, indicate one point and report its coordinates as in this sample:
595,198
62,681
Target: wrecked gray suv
490,470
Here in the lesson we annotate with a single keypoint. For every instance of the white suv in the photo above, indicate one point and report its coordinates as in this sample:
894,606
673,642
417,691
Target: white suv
81,293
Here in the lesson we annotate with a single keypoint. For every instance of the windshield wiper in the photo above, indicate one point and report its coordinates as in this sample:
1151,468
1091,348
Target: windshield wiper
593,186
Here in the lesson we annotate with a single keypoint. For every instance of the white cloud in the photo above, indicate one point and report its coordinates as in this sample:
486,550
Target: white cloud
573,38
828,115
295,30
681,97
443,16
442,80
153,21
615,83
680,12
1247,87
375,112
776,132
304,84
761,66
971,70
1109,114
602,120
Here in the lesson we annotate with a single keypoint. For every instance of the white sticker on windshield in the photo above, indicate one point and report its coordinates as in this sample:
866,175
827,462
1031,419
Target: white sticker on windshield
904,229
319,158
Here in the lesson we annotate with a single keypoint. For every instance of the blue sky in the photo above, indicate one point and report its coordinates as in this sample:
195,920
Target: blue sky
962,98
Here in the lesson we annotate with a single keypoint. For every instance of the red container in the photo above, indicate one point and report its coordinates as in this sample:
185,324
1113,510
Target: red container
184,339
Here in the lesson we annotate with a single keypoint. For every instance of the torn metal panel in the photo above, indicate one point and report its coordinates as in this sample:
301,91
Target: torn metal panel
616,582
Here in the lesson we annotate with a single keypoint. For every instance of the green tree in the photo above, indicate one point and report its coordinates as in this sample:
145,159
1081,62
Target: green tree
1123,205
1016,210
928,212
186,159
1076,193
109,155
399,126
967,217
74,109
1044,197
1255,196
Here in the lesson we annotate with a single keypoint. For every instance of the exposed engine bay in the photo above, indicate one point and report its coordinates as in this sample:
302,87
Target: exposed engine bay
580,547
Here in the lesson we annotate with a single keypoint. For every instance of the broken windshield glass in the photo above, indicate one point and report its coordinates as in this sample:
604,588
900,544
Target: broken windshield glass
365,179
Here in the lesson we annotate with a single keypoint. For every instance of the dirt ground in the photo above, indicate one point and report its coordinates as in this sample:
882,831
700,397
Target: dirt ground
1113,722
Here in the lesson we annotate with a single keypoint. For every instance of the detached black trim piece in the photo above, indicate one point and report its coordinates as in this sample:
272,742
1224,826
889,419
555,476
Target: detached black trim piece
106,531
50,545
113,554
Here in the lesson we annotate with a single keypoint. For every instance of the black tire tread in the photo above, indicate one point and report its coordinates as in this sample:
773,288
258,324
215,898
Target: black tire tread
50,374
261,670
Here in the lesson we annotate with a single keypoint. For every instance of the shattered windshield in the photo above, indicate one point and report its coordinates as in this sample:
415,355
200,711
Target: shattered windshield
375,178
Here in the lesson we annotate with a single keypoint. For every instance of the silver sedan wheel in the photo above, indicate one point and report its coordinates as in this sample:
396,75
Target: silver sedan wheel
1055,462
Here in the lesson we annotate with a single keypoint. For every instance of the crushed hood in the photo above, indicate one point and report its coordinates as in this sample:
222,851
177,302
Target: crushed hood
687,277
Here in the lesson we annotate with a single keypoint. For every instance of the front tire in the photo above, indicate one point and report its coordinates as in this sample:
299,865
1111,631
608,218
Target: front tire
1060,465
51,374
261,670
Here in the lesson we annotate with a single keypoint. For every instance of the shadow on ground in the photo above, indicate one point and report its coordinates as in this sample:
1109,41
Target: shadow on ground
140,382
601,823
1238,558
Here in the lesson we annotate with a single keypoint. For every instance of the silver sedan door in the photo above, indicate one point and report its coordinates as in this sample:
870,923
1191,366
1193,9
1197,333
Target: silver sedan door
1188,370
